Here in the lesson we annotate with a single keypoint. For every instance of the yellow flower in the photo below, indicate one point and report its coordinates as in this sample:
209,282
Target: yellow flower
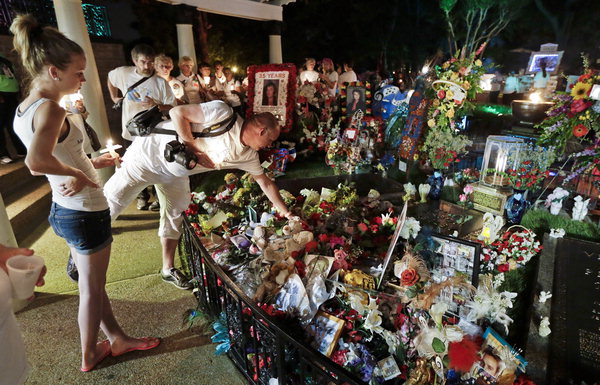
449,95
478,63
466,85
580,90
436,102
446,65
512,264
431,123
454,76
450,113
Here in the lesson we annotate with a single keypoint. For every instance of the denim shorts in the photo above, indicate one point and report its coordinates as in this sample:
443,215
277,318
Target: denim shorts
86,231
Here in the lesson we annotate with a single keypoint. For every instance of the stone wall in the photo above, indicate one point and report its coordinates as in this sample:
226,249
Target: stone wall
108,56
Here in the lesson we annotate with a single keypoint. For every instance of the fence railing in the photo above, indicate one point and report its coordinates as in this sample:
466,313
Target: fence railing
260,347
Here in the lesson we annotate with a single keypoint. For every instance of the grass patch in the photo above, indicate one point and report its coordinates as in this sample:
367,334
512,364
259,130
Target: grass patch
541,221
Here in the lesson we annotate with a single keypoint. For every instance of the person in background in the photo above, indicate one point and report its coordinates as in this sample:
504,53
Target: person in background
13,362
142,89
9,92
164,65
329,76
349,75
512,88
232,91
193,93
219,76
208,82
79,213
540,80
309,74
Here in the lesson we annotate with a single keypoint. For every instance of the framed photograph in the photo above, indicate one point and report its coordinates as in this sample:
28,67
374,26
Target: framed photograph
550,59
455,257
355,96
327,330
494,351
317,265
272,88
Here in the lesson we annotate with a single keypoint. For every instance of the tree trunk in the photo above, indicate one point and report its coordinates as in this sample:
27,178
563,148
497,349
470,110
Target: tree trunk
203,27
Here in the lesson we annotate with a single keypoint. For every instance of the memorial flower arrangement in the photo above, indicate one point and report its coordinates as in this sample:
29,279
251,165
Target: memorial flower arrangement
442,148
403,325
512,251
575,118
457,82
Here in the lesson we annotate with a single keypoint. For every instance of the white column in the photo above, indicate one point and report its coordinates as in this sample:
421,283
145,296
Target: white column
69,16
275,54
7,237
185,43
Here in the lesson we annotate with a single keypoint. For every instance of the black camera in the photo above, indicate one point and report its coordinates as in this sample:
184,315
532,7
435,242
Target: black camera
177,152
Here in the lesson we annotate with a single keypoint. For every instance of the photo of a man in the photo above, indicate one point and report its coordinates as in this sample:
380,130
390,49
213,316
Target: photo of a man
270,92
356,100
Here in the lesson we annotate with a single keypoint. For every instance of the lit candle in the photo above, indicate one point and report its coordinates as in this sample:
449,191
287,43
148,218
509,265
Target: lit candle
110,148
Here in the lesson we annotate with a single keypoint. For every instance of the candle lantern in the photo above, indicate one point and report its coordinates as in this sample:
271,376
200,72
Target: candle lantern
501,154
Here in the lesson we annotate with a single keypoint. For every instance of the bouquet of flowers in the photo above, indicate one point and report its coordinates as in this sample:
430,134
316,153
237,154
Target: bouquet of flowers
512,251
343,157
444,148
457,82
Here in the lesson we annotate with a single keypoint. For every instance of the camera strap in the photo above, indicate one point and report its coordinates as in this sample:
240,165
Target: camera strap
216,129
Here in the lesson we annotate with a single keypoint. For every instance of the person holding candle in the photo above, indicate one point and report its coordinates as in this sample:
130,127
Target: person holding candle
235,149
79,212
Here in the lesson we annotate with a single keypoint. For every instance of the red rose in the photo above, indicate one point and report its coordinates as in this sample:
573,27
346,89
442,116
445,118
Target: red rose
363,227
579,105
310,246
441,94
503,268
323,238
580,130
409,277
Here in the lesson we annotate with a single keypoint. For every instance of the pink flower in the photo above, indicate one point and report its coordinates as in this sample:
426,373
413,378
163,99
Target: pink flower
462,197
335,240
468,189
441,94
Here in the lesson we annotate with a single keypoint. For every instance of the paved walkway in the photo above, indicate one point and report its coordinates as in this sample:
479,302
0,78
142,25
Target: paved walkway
143,304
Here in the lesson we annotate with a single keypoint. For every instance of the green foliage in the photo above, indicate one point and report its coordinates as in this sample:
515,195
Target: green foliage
438,346
447,5
541,221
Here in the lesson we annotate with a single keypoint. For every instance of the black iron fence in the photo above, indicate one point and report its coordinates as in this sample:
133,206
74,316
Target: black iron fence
260,347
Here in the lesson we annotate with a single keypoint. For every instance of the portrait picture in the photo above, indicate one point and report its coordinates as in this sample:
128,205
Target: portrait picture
355,100
317,265
491,366
270,92
326,330
272,88
550,60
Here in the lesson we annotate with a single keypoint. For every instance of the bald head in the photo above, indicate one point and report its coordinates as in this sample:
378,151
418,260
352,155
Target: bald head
260,130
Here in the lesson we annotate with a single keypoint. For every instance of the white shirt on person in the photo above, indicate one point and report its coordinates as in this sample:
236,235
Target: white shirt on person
70,152
13,361
347,77
309,76
511,85
227,150
231,97
191,88
155,87
540,81
333,77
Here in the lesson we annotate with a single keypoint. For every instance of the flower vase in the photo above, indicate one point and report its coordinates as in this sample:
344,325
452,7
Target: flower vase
555,207
516,206
436,181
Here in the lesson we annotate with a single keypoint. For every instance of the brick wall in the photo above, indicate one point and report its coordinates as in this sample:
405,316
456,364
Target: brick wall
108,56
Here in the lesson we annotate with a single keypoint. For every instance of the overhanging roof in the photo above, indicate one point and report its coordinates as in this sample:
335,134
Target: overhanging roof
246,9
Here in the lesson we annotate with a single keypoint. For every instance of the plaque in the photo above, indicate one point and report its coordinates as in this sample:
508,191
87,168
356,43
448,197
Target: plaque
488,199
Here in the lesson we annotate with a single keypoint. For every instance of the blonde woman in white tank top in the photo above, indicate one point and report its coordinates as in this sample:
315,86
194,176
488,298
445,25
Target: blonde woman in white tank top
79,212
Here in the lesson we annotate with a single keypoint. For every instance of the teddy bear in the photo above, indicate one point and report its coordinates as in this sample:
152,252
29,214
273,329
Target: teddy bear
274,278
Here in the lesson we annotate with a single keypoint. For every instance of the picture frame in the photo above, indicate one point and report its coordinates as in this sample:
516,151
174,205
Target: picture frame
272,88
350,104
456,257
552,59
494,351
317,265
327,330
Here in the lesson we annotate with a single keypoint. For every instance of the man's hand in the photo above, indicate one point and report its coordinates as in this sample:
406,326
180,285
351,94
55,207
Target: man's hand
105,160
203,159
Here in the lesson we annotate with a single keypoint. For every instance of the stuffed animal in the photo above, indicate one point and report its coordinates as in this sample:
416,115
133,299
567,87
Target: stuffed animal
276,276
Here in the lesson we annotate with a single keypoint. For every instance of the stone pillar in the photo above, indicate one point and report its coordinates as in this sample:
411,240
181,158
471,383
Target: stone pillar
7,237
69,16
185,34
275,52
185,43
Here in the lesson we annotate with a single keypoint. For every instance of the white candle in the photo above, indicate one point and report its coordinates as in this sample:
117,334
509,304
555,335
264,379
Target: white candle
110,148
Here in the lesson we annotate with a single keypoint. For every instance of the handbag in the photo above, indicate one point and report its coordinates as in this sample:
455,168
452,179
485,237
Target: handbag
94,141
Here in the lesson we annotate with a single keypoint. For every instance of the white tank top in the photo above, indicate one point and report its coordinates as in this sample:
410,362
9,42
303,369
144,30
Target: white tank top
70,152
